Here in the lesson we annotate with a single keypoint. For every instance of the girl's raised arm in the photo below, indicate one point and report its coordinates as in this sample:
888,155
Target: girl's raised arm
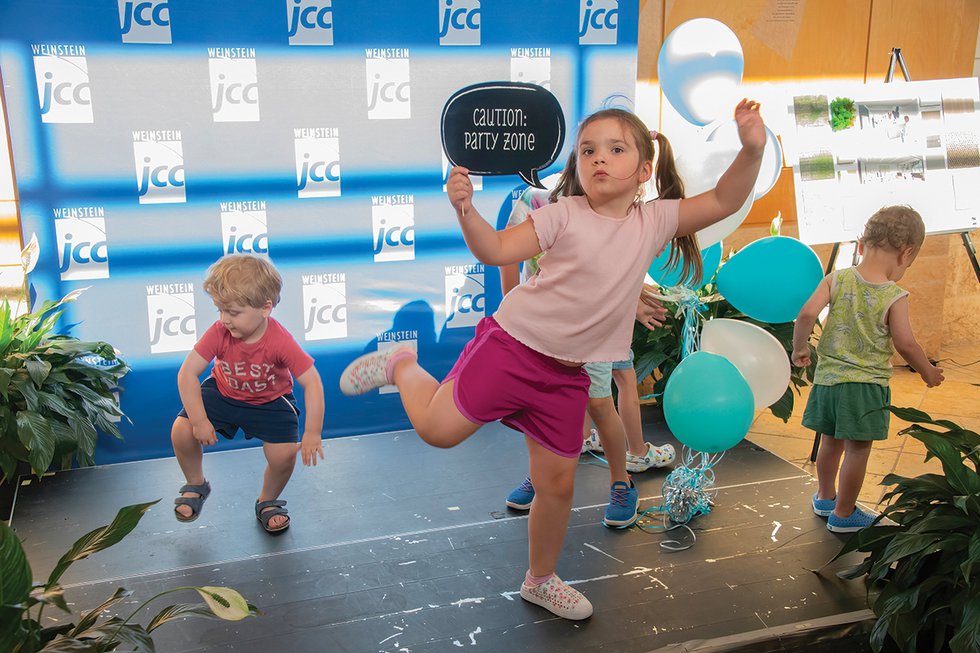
488,245
696,213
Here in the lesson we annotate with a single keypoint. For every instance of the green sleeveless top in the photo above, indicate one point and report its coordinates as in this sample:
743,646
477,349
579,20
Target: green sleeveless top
856,345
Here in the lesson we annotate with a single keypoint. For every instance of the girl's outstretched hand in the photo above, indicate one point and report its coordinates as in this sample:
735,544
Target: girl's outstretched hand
459,188
751,129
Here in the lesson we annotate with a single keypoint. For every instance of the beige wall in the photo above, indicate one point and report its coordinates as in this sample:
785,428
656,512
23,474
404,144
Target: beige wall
849,38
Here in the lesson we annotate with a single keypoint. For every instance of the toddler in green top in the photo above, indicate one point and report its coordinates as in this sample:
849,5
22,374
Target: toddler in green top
867,322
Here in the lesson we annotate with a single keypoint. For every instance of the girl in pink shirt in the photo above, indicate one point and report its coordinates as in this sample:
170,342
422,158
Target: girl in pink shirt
524,364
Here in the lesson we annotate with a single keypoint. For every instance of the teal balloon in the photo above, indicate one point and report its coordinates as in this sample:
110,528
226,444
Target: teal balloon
710,259
770,280
708,404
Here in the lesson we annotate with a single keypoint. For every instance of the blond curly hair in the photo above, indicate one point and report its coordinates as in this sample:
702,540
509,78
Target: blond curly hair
243,279
895,227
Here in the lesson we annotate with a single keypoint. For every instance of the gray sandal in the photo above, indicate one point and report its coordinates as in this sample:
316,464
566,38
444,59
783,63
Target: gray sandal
266,510
195,503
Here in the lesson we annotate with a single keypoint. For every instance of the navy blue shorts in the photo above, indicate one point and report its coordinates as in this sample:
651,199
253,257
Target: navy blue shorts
276,422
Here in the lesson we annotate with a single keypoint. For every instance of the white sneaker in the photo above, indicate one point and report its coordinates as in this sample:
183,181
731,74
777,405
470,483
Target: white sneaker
592,443
654,457
369,371
557,597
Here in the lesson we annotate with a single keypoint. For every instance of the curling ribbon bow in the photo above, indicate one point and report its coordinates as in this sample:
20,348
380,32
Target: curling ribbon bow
689,307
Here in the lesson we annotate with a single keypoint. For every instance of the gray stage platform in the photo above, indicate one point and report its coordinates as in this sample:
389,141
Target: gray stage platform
397,546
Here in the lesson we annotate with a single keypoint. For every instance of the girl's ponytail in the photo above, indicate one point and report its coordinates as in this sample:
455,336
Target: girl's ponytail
568,184
670,186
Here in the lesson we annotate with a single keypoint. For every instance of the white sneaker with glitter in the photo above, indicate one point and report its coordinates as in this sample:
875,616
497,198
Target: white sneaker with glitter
592,443
557,597
369,371
654,457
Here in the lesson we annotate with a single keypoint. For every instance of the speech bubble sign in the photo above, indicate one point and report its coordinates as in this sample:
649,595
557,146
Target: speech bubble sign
503,128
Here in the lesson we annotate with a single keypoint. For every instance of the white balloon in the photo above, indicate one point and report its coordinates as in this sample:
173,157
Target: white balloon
702,166
724,228
700,69
756,353
724,138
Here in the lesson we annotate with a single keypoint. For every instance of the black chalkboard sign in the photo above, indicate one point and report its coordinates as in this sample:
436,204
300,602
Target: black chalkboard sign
503,128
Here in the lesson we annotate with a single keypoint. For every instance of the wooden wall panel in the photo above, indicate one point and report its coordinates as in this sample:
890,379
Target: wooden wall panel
938,38
651,37
829,39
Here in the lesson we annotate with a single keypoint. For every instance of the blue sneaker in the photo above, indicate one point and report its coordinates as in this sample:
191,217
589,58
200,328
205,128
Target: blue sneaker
823,507
859,519
621,511
521,497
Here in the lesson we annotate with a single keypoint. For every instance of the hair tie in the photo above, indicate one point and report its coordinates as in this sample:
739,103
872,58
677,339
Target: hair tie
653,134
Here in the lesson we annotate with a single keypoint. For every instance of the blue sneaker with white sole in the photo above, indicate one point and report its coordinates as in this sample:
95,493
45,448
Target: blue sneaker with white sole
521,497
858,520
621,511
823,507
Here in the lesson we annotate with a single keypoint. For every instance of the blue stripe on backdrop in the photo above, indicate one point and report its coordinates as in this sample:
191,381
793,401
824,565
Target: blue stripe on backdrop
224,108
383,23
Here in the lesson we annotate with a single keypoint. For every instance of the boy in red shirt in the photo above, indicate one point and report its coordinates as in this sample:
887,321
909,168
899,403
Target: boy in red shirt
250,388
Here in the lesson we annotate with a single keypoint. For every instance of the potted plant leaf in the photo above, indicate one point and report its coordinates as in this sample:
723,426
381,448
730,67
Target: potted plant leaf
925,562
56,391
23,602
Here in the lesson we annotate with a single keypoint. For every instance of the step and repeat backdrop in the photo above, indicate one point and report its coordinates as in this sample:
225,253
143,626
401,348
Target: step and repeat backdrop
151,137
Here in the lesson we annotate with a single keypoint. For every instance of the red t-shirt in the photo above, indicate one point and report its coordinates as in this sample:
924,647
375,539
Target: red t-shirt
256,373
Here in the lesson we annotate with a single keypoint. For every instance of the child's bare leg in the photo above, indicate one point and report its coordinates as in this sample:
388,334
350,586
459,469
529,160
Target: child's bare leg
553,477
628,405
828,462
280,460
190,457
430,405
603,412
851,476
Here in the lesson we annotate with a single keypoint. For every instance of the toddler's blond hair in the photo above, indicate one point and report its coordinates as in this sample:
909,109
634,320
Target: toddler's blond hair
895,227
243,279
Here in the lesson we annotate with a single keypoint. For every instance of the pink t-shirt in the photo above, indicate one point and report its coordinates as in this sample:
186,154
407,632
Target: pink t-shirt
581,304
256,373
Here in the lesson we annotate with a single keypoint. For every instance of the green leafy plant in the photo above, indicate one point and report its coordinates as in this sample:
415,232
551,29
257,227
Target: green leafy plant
842,113
56,392
23,632
658,351
926,563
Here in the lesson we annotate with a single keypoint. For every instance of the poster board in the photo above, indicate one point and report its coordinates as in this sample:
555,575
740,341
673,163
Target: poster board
912,143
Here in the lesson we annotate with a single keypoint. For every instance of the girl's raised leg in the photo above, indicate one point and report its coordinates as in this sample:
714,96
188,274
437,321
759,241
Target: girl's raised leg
430,405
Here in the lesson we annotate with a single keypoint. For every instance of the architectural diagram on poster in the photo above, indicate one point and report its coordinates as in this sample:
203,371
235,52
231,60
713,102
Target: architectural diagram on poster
857,147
